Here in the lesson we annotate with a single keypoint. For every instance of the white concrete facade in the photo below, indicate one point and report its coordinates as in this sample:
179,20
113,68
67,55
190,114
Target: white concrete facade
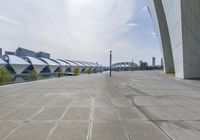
177,26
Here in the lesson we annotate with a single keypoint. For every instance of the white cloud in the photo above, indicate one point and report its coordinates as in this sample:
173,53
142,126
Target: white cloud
145,9
133,24
9,20
72,29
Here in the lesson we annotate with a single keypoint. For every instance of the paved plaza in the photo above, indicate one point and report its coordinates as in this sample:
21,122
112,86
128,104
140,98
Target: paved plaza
139,105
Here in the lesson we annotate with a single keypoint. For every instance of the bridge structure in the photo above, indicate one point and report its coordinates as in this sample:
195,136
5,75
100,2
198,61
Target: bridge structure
124,66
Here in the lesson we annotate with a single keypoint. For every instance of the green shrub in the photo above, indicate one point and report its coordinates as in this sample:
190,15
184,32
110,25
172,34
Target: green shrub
76,70
60,72
5,76
33,76
88,70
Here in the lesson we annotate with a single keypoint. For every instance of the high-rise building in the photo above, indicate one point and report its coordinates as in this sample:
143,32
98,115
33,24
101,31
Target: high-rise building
153,61
161,62
177,26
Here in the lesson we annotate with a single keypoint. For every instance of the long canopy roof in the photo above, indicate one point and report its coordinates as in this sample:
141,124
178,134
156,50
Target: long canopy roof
72,63
50,62
13,59
18,64
35,61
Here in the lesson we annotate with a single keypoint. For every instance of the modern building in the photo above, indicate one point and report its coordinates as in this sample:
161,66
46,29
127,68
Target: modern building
140,62
23,61
177,25
16,64
63,65
36,64
1,52
21,52
52,65
161,62
9,53
153,61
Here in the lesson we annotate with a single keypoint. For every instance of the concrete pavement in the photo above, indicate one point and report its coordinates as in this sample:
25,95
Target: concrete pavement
143,105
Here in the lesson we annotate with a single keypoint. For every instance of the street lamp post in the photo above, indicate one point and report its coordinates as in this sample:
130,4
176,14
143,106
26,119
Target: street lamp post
110,63
132,65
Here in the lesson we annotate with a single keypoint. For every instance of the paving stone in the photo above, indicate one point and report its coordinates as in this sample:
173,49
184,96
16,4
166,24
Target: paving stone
103,103
77,113
180,131
121,102
31,131
21,114
131,113
81,103
194,124
105,114
60,102
144,130
50,113
108,131
6,127
5,110
70,131
162,107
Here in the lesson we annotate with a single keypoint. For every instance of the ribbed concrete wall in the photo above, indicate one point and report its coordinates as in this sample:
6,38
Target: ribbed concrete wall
191,37
161,28
183,22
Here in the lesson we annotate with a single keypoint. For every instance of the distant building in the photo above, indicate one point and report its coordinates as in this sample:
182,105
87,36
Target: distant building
0,52
43,54
161,62
153,61
9,53
140,62
21,52
144,65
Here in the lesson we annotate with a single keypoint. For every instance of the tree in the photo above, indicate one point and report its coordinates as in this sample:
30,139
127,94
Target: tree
76,70
5,76
33,75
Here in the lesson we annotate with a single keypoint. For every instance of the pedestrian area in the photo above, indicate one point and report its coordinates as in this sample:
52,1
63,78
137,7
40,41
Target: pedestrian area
139,105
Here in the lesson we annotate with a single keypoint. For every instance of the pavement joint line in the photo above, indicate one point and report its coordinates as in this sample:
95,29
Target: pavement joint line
58,122
38,112
190,126
118,116
17,107
9,112
90,126
153,121
12,131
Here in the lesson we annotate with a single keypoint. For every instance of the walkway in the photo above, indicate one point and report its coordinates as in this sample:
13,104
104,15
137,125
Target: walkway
129,106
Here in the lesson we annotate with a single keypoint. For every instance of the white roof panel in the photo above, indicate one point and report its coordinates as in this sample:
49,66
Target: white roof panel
61,62
50,62
13,59
35,61
71,63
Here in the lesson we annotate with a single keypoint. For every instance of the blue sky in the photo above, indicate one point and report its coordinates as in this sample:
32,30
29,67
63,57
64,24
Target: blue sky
80,29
